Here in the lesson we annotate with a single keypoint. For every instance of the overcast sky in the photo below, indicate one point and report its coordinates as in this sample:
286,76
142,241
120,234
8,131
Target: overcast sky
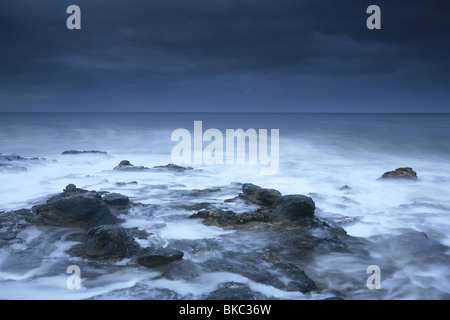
225,55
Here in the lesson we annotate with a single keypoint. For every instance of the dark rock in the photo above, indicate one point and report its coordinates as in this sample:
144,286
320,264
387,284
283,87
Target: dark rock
400,173
83,152
10,157
86,210
116,199
222,218
173,167
234,291
16,157
109,242
11,223
217,217
345,188
121,184
295,207
70,188
125,165
152,257
259,195
300,281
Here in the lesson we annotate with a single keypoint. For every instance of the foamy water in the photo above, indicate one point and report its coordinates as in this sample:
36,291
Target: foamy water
404,225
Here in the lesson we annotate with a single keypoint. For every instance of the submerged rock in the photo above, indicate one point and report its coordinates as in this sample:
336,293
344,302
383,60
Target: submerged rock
400,173
152,257
173,167
109,242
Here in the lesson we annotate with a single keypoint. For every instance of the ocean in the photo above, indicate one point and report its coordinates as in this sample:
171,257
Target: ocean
402,226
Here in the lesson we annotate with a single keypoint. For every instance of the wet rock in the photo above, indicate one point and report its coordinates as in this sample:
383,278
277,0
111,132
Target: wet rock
182,270
299,279
125,165
11,223
121,184
259,195
197,206
400,173
234,291
152,257
290,207
173,167
16,157
116,199
222,218
345,188
109,242
294,207
74,152
85,210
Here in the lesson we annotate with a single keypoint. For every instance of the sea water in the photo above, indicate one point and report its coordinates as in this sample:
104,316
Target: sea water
404,225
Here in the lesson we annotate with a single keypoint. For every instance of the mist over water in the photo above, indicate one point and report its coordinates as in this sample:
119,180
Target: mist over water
401,226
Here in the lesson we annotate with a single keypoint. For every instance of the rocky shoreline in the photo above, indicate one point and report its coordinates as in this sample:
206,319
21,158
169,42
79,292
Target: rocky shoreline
292,235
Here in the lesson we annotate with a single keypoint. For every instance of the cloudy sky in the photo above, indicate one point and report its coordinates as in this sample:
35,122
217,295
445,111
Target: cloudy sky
225,55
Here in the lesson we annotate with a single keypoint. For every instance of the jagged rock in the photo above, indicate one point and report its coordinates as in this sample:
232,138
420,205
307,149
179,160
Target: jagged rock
109,242
152,257
400,173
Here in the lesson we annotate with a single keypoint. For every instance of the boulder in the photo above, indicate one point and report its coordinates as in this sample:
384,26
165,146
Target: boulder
109,242
400,173
295,207
259,195
116,199
152,257
84,210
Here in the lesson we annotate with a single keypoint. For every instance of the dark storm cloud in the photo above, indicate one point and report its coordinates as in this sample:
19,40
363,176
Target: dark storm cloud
237,54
